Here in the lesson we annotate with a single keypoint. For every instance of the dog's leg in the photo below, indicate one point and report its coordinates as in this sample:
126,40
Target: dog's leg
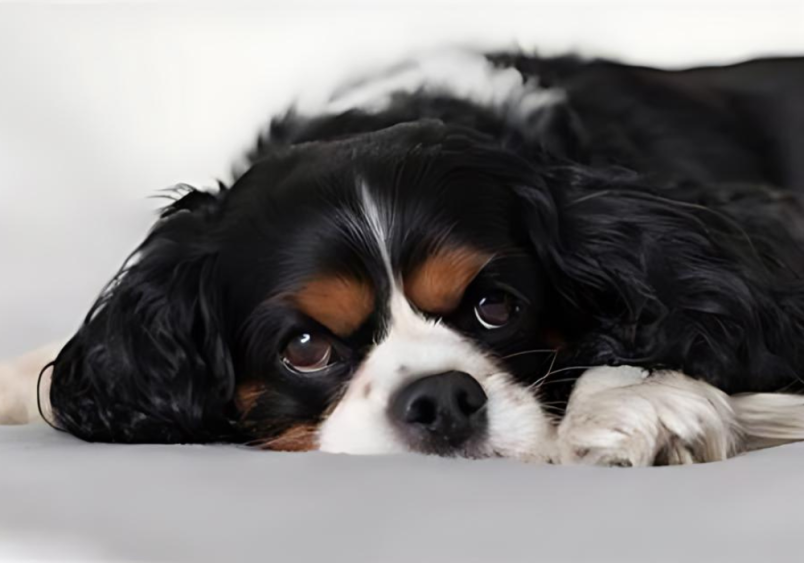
769,419
622,416
18,383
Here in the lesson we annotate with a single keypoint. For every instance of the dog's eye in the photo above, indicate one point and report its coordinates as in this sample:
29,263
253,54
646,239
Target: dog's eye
308,353
496,310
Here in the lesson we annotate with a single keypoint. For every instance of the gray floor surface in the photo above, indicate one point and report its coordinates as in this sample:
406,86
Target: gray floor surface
62,499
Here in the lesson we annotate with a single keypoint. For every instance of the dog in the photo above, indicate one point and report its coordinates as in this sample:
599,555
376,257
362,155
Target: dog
473,255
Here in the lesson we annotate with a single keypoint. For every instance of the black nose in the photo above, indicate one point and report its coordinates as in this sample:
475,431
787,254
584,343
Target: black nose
440,412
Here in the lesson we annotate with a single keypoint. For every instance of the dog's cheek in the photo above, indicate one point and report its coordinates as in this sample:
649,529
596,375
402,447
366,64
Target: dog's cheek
300,438
519,428
257,420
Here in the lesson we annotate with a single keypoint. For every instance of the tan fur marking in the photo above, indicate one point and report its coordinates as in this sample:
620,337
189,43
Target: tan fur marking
302,438
437,285
247,394
299,438
340,304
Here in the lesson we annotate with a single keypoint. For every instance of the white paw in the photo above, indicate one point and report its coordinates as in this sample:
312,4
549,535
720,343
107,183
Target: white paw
621,430
13,406
18,385
617,419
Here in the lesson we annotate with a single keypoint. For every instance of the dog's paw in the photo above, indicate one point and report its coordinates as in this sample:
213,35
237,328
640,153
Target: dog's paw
625,420
19,384
620,431
13,404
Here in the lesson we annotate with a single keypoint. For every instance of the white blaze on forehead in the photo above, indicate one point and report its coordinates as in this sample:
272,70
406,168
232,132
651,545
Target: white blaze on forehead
460,73
379,223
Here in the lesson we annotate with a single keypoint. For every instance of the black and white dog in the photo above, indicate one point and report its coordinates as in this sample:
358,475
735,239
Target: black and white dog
471,255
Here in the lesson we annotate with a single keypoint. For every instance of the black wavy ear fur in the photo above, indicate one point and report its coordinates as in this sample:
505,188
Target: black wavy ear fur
705,279
149,363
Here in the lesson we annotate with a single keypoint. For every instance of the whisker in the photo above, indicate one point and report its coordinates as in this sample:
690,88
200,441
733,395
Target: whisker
553,403
256,443
552,365
566,380
539,381
571,367
525,352
553,407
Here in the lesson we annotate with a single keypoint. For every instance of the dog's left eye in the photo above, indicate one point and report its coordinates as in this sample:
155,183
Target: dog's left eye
308,353
496,310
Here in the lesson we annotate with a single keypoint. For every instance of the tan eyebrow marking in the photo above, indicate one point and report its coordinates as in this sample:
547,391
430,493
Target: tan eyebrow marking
438,284
339,303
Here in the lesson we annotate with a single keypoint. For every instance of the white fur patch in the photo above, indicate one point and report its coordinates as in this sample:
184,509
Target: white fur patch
18,382
462,74
380,227
620,416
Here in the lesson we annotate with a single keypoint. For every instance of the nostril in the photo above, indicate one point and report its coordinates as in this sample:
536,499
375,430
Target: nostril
470,403
421,410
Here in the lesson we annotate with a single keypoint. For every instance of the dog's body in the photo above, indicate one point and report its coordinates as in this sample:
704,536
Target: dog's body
432,261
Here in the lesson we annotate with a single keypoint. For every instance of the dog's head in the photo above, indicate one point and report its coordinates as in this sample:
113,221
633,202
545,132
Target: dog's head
379,293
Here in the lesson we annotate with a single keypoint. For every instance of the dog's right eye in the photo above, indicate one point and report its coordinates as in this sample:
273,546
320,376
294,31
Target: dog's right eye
308,353
496,310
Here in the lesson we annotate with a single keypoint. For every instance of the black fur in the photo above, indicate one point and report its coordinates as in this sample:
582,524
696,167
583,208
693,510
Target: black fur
652,219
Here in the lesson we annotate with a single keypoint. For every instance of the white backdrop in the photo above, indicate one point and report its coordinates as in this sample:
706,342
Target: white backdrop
103,104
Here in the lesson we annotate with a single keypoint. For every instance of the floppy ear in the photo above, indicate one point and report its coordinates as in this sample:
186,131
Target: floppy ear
674,276
150,363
